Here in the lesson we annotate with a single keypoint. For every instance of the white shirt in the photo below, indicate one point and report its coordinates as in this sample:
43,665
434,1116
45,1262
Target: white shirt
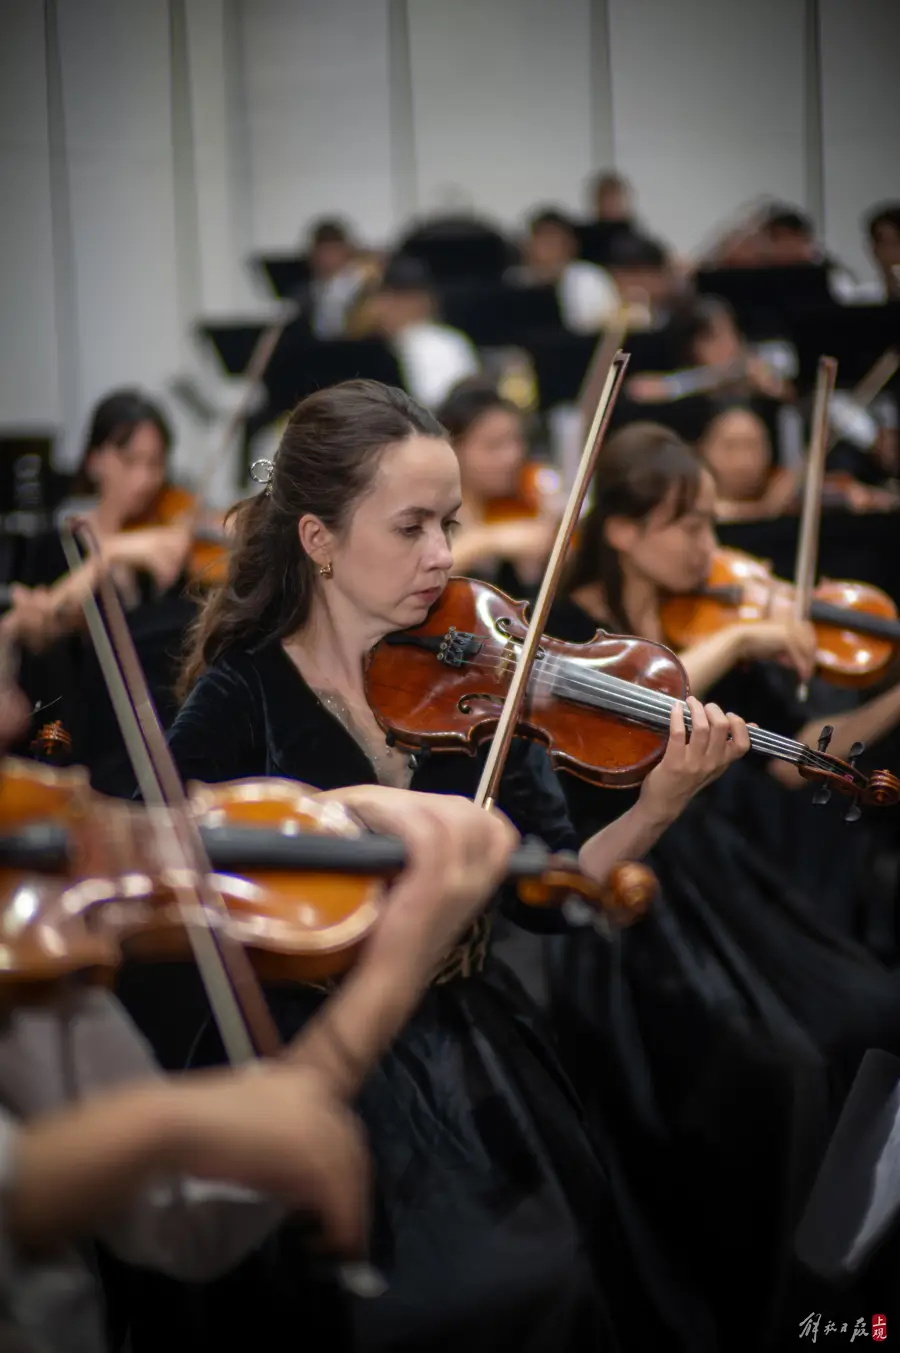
588,297
332,299
433,358
188,1228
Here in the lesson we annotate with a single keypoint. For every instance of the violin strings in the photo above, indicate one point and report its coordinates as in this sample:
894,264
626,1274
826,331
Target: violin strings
642,704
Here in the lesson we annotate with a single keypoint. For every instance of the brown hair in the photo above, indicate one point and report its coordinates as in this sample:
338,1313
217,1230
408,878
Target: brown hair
114,421
468,401
326,461
639,466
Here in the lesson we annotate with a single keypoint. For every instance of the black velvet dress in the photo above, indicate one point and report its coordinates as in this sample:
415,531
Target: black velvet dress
498,1222
729,1027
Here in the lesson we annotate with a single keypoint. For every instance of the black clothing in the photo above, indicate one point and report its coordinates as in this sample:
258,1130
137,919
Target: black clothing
497,1222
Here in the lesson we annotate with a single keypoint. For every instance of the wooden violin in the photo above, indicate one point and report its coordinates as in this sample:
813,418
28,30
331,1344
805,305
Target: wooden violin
207,560
857,627
85,880
537,491
601,709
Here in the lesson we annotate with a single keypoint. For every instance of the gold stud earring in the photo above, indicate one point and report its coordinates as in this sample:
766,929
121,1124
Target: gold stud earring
326,570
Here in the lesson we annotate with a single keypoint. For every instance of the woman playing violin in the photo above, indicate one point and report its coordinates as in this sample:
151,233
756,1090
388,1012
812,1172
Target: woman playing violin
95,1143
750,974
120,480
496,1226
738,451
506,519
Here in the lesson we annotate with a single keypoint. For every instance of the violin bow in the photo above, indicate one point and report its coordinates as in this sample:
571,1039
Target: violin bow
236,999
811,515
617,364
871,385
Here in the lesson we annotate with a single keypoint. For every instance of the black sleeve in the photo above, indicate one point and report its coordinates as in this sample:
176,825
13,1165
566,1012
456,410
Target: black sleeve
533,800
214,736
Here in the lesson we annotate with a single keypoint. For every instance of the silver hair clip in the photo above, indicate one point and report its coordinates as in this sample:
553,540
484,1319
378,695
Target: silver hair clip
261,472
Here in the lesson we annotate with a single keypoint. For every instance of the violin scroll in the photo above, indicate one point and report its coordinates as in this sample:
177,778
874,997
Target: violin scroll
624,898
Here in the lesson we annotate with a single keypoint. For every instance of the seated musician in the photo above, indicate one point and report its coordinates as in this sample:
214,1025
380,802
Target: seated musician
714,355
337,275
737,449
612,199
587,294
506,524
404,310
119,481
188,1175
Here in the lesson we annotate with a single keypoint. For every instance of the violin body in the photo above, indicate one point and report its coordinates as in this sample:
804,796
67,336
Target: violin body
857,628
118,897
537,490
443,684
207,561
110,891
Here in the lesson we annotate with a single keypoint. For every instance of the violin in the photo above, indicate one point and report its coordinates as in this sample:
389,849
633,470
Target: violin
601,709
207,561
537,490
857,628
86,884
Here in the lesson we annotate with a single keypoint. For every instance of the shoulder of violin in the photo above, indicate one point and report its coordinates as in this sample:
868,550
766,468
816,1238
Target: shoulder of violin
30,789
287,806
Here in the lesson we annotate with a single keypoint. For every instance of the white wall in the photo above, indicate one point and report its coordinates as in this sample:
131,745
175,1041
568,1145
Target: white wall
192,133
29,390
317,98
707,107
501,102
860,50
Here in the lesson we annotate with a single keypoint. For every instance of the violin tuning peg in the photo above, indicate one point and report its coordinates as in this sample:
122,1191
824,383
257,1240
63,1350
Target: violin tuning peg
856,751
825,737
822,795
853,813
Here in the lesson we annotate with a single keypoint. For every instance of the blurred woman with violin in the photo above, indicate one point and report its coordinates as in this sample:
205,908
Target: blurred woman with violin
155,539
776,1005
96,1143
738,451
495,1223
510,505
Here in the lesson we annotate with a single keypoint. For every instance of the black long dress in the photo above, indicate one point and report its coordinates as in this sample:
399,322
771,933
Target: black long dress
729,1027
498,1223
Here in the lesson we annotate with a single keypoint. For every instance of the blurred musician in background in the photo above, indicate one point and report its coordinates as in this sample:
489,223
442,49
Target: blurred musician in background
713,355
587,294
612,199
647,279
116,487
338,272
403,309
508,516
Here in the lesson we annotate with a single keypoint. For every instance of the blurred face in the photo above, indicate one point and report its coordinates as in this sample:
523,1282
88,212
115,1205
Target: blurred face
393,559
613,202
674,553
550,247
636,284
719,344
393,311
788,248
736,449
128,478
886,246
491,455
329,258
